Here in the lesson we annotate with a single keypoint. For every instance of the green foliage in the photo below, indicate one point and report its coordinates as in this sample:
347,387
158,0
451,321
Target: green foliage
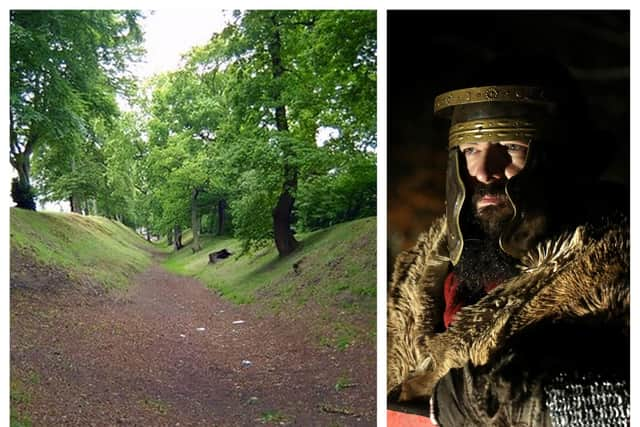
74,170
342,194
256,196
123,173
252,148
92,248
237,124
343,55
180,156
66,67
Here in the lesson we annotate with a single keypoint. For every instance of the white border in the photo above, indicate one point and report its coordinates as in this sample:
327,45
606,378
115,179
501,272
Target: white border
382,8
4,223
381,319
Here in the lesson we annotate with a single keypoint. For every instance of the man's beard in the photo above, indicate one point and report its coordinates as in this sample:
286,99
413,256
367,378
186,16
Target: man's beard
493,218
482,261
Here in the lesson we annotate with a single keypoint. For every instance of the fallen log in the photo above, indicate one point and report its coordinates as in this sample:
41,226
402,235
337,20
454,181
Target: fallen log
218,255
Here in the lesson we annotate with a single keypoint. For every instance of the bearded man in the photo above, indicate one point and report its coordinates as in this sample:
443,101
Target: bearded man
513,309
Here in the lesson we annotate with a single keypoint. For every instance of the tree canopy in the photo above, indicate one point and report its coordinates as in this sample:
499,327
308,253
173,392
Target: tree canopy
65,68
267,130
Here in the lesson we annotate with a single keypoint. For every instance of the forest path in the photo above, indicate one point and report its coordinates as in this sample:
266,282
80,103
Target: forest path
143,359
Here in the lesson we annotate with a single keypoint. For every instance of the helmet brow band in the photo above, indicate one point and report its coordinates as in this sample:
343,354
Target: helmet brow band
491,130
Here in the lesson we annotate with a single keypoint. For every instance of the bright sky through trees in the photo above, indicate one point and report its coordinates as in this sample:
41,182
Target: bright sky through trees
292,114
170,33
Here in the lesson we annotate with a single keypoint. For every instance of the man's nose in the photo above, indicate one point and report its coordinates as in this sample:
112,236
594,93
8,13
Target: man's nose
492,164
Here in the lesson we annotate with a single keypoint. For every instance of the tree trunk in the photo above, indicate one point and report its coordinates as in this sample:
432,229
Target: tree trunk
195,221
92,207
20,158
74,202
282,218
177,237
169,238
285,242
221,205
21,190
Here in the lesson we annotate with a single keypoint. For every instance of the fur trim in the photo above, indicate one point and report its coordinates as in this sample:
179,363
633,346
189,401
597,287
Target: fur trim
417,282
572,276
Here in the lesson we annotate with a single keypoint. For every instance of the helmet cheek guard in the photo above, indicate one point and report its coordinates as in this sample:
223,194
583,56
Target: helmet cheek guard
456,193
492,114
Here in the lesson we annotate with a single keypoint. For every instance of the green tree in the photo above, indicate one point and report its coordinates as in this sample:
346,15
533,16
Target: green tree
65,68
344,193
125,177
73,171
184,111
238,126
280,94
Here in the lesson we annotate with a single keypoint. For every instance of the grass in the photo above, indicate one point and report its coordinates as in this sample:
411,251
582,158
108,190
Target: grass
343,382
155,405
345,334
92,247
20,399
34,378
273,417
333,271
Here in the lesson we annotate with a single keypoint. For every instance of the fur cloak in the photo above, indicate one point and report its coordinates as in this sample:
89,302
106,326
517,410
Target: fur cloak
578,275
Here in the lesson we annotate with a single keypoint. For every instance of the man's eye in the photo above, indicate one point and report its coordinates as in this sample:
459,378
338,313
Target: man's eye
468,150
516,147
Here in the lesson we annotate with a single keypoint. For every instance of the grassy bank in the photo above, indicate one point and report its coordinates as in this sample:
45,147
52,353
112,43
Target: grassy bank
86,247
333,273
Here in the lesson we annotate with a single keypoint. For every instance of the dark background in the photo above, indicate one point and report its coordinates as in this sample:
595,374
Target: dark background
430,52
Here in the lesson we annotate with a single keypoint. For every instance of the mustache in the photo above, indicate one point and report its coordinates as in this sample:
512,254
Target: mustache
493,189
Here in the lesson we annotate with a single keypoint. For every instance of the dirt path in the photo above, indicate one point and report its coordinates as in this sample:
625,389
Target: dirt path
168,353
